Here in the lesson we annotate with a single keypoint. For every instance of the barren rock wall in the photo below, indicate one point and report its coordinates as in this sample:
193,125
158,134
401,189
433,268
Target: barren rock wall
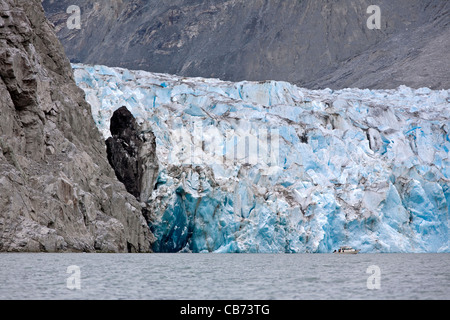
57,190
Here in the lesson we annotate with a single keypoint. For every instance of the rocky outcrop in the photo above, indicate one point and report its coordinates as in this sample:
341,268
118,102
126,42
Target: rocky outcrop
123,148
57,190
315,44
128,155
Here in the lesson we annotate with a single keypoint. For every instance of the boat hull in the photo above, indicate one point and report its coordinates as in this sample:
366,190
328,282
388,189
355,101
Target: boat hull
347,252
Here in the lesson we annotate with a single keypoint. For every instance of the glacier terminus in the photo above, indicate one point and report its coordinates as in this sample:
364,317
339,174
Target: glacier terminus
270,167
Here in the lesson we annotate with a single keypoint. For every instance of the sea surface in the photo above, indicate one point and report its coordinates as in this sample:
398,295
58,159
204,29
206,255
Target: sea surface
187,276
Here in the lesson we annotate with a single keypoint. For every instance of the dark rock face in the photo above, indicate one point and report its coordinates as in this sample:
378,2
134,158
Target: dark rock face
123,124
315,44
123,150
135,164
57,190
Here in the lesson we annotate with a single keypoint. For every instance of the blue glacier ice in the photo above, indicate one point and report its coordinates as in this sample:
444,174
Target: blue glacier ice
271,167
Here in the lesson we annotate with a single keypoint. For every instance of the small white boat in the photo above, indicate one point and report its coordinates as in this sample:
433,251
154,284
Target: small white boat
346,250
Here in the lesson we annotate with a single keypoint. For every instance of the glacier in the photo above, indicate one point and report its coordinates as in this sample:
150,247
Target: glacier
270,167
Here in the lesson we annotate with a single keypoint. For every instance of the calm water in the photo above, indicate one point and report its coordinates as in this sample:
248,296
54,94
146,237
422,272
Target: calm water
225,276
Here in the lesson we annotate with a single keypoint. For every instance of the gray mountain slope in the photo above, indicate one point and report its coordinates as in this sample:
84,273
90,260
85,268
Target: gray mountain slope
314,44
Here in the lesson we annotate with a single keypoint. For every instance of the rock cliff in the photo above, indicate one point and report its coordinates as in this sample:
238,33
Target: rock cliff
132,153
57,191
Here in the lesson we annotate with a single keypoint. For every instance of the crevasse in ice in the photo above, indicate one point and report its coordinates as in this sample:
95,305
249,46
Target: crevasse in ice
271,167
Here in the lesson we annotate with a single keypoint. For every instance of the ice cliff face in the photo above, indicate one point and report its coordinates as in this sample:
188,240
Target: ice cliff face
270,167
